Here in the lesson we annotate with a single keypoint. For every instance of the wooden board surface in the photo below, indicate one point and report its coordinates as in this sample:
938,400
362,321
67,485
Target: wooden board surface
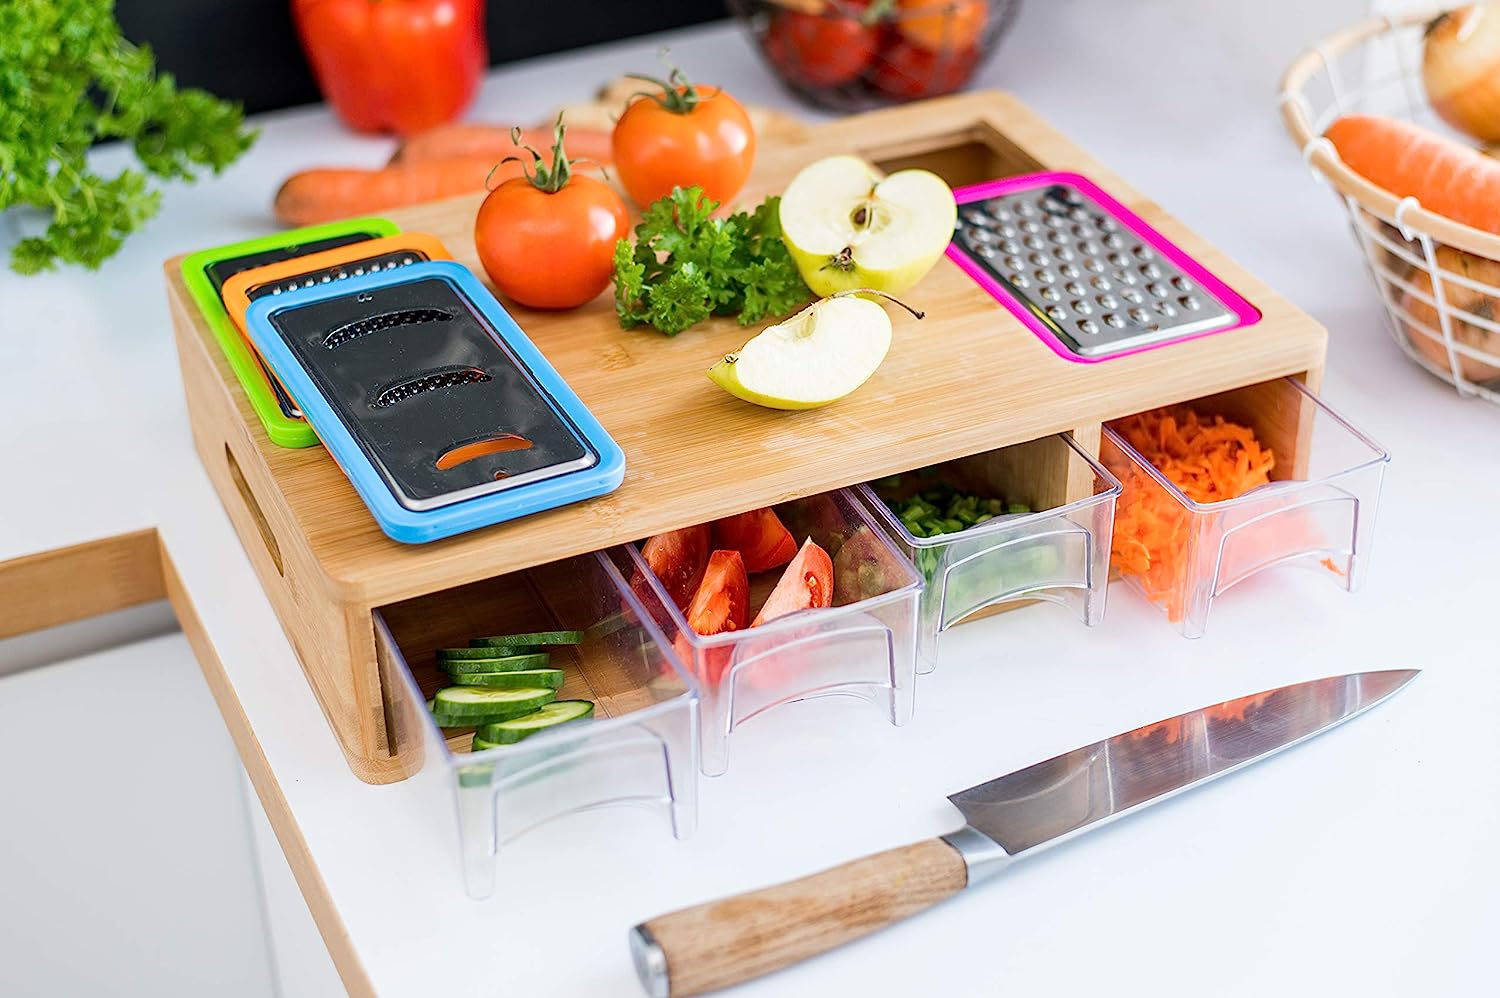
968,378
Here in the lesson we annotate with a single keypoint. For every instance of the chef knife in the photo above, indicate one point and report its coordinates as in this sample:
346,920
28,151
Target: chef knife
734,939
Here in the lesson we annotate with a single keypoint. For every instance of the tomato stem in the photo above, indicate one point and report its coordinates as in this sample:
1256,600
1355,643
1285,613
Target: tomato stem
545,179
678,95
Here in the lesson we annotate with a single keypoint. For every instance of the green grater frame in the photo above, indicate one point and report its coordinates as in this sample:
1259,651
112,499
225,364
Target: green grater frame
284,430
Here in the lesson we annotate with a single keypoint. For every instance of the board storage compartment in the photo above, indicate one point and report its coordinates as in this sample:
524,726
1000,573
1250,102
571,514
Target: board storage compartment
864,645
1318,511
1058,552
640,747
968,379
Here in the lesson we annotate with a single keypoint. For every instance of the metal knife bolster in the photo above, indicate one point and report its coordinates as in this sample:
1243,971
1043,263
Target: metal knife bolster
982,855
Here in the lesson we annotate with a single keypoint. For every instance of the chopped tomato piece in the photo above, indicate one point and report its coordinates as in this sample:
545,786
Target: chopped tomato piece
807,584
759,536
678,558
722,602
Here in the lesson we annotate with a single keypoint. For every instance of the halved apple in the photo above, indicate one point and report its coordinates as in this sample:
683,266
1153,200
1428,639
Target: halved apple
817,356
848,228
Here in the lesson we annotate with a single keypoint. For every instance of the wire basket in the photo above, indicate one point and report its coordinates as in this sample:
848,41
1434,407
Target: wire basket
850,55
1439,279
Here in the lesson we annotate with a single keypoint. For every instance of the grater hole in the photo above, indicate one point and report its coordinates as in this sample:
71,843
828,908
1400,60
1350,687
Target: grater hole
431,382
386,320
500,443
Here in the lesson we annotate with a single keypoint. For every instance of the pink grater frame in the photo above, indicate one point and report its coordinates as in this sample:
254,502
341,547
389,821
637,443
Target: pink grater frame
1247,314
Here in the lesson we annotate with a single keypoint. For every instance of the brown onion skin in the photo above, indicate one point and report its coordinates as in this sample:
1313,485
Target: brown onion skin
1424,318
1461,69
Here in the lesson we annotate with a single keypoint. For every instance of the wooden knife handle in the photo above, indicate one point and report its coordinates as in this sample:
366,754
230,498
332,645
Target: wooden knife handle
734,939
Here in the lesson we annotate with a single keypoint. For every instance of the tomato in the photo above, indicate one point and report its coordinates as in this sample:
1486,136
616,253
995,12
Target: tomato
678,559
807,584
685,136
394,65
942,25
821,49
547,239
907,71
722,602
759,536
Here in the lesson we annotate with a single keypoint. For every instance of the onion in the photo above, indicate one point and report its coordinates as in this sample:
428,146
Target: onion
1424,329
1461,69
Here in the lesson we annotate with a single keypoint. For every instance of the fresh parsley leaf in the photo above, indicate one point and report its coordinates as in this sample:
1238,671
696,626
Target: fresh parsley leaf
630,286
680,300
687,264
68,79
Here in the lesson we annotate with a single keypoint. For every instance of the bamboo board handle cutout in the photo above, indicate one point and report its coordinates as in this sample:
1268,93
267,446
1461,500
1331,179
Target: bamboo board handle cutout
735,939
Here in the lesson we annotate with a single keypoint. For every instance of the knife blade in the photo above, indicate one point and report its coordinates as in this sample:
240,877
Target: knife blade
734,939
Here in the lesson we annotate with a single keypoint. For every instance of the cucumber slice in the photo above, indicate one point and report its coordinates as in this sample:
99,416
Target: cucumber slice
475,705
533,641
549,679
446,720
480,744
509,732
475,776
493,662
487,651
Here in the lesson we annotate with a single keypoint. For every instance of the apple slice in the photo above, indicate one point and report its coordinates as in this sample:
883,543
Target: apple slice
817,356
848,228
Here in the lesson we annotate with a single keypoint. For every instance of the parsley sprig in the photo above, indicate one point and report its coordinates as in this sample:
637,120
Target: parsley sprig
687,265
69,79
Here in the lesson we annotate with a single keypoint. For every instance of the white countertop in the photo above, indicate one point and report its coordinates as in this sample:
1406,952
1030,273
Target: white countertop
1362,863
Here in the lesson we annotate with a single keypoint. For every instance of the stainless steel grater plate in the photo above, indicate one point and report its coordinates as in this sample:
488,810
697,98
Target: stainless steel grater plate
1089,278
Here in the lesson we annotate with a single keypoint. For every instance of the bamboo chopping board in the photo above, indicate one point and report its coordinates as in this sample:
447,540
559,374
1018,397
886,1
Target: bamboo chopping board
968,379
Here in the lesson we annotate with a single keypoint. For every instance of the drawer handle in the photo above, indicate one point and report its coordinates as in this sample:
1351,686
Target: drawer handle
253,507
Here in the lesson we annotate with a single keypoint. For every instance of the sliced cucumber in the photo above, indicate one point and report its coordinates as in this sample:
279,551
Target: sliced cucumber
475,705
475,776
549,679
487,651
510,731
445,720
480,745
493,663
533,641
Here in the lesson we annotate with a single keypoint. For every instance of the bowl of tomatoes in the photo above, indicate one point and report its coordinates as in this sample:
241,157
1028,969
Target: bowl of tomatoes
847,55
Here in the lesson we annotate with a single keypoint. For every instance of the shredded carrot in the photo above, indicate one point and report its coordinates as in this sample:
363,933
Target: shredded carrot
1210,460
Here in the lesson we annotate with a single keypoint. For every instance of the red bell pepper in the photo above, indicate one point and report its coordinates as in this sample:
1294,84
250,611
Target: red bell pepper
394,65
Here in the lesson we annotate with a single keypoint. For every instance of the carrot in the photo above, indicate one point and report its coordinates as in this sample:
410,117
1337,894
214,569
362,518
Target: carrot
1210,461
1447,177
322,195
469,139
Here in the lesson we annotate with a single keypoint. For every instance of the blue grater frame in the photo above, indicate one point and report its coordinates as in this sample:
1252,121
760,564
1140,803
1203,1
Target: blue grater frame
398,522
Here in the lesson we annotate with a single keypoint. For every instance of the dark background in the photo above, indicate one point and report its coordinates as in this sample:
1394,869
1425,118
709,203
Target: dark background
247,50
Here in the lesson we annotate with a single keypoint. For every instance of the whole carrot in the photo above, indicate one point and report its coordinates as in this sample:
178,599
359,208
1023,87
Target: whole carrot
1447,177
472,139
322,195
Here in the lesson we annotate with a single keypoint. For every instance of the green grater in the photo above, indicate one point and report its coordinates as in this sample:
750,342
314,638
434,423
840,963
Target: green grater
206,271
